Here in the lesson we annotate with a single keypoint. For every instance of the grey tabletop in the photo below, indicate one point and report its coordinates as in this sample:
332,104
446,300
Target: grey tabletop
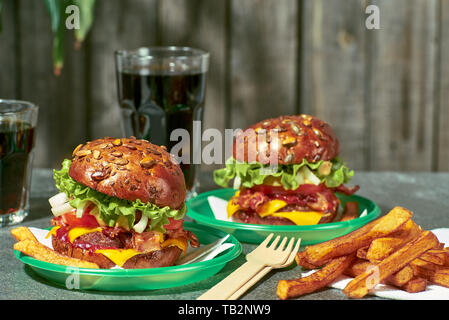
426,194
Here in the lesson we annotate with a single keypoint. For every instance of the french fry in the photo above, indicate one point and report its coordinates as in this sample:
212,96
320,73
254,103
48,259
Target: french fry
397,279
39,251
435,259
441,277
361,253
302,261
351,211
418,262
444,255
294,288
415,285
410,227
360,285
318,254
381,248
401,277
357,267
439,257
22,233
433,273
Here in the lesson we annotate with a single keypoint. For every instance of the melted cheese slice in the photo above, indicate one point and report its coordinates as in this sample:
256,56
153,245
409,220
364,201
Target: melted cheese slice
270,207
79,231
118,256
181,243
52,232
232,208
300,218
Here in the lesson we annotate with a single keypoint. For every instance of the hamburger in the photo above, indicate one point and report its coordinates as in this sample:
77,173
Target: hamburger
121,203
287,172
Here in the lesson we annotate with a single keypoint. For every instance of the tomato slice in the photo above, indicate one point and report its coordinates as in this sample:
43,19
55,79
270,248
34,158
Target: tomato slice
174,224
69,219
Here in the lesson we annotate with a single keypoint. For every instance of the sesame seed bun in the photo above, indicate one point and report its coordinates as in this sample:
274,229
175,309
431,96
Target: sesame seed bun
129,169
298,137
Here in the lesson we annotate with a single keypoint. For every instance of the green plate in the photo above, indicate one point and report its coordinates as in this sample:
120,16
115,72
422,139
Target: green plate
138,279
200,211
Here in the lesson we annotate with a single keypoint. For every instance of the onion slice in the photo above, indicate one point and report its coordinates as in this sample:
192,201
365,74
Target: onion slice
299,178
58,199
81,208
141,225
237,183
308,174
61,209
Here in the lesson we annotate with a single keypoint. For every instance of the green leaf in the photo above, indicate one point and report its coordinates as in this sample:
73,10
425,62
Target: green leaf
56,9
112,208
255,173
87,8
58,50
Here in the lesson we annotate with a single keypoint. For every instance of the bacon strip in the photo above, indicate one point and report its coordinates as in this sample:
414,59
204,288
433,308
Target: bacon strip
347,190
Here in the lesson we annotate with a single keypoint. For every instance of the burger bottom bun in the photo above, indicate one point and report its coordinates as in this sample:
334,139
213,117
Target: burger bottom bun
160,258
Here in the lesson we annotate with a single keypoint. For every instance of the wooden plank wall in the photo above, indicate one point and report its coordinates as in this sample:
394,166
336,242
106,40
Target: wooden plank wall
441,140
402,85
334,71
384,91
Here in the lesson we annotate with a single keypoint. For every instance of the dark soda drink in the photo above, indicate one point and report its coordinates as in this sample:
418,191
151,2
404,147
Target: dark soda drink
16,153
153,104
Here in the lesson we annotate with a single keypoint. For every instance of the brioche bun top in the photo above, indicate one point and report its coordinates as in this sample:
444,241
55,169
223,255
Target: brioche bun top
130,169
298,137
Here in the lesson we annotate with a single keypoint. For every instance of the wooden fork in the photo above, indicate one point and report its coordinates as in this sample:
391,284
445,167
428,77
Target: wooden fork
259,258
265,271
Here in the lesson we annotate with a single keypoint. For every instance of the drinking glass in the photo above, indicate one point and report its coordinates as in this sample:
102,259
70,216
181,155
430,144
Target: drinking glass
17,134
160,90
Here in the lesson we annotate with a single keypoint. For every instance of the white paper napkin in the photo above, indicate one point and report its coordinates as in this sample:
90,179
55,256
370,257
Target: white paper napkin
40,235
218,207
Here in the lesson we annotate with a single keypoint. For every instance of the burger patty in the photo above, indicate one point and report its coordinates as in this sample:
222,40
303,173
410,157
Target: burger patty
66,248
98,239
255,218
321,199
308,198
159,258
84,248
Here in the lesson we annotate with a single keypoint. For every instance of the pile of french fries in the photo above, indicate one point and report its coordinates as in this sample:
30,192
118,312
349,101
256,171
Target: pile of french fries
392,250
29,245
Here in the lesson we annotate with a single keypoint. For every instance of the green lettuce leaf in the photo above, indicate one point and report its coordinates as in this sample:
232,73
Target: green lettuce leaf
112,208
254,173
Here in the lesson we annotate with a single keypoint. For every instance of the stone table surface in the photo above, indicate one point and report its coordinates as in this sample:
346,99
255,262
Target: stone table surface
426,194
